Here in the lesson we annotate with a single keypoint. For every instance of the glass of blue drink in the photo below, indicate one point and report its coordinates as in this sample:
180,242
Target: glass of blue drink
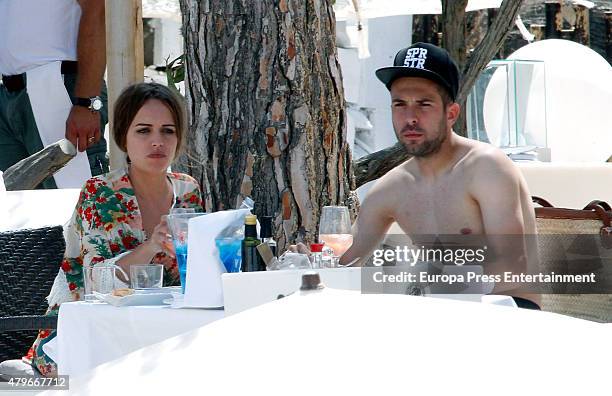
229,252
178,223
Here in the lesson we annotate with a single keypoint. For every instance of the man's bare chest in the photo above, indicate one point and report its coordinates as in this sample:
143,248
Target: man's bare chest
441,208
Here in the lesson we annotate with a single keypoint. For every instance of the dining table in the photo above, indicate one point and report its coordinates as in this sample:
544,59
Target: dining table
329,341
92,333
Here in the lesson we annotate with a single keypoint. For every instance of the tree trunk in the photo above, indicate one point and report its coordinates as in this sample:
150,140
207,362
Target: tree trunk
453,39
453,30
491,43
373,166
470,70
264,92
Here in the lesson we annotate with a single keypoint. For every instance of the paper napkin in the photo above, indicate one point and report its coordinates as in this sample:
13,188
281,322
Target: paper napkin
204,268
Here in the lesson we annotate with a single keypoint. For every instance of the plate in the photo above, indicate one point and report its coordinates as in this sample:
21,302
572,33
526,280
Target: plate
136,299
158,290
178,302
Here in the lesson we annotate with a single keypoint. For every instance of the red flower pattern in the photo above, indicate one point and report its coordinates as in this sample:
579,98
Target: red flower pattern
66,266
88,214
94,236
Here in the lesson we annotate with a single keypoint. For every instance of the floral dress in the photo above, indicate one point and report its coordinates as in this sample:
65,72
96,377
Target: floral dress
105,226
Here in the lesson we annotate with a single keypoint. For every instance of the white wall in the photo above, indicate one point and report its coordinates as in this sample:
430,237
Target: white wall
168,40
386,36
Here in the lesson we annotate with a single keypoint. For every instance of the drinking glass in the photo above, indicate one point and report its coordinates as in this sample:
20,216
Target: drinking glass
182,210
146,276
335,230
179,228
229,252
99,278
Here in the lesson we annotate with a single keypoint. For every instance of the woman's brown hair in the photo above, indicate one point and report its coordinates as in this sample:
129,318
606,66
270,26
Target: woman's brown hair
133,98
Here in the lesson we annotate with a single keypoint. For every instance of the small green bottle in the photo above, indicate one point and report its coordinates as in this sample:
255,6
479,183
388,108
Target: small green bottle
250,256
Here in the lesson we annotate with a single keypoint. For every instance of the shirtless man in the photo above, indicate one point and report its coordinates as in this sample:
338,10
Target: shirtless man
451,185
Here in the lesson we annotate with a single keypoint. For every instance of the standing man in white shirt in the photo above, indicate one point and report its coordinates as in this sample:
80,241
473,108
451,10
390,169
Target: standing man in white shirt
52,61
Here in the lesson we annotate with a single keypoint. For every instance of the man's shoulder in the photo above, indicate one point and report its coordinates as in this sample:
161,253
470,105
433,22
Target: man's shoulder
489,167
482,156
400,175
390,187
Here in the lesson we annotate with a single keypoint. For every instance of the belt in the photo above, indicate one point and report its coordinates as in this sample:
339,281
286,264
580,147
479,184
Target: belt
17,82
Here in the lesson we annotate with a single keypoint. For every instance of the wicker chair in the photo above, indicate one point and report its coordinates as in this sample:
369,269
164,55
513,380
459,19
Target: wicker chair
29,261
553,224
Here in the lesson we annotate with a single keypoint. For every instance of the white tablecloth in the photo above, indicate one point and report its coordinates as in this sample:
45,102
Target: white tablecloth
89,334
36,208
347,343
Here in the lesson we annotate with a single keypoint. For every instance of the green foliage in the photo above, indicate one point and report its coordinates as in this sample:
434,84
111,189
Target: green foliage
175,72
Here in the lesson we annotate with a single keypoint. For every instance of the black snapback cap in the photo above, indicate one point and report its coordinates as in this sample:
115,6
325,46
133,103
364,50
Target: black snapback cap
423,60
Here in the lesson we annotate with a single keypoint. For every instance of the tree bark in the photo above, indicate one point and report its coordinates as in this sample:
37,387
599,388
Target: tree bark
453,39
264,91
33,170
375,165
491,43
453,30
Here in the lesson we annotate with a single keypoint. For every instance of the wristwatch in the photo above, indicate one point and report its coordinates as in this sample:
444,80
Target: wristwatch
94,103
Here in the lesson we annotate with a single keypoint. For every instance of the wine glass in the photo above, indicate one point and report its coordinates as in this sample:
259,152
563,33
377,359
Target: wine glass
335,229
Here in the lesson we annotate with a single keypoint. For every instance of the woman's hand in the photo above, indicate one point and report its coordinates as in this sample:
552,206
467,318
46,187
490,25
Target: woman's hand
160,239
158,242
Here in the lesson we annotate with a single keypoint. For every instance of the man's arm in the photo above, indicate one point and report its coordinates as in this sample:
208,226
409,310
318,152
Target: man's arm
496,187
83,124
372,223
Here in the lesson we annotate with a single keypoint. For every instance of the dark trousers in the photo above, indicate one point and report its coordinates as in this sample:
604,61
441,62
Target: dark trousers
19,137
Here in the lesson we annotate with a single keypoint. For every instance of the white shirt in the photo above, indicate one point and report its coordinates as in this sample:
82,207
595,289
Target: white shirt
36,32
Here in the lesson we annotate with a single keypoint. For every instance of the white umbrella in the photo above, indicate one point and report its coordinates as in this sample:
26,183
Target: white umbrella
345,9
161,9
344,343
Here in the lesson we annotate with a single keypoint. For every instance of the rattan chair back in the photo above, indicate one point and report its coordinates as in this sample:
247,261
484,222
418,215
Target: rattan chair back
29,261
595,220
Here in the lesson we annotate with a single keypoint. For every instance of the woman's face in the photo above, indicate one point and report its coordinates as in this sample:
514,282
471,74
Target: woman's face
151,138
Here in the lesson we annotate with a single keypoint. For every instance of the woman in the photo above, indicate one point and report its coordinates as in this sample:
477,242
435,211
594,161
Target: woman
118,217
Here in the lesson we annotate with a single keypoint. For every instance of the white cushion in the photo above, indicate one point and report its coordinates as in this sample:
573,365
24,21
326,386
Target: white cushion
568,184
16,368
23,209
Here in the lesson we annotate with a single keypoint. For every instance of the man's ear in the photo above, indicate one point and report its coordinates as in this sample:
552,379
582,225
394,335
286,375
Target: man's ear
452,113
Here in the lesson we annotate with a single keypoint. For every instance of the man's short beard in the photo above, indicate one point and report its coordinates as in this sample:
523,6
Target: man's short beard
428,147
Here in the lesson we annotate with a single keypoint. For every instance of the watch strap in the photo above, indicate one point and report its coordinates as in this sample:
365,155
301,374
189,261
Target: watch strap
85,102
94,103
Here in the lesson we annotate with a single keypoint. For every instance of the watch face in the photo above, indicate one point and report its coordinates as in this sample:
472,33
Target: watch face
96,104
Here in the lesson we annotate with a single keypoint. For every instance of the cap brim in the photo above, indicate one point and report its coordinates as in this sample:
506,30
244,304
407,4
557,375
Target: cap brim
389,74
